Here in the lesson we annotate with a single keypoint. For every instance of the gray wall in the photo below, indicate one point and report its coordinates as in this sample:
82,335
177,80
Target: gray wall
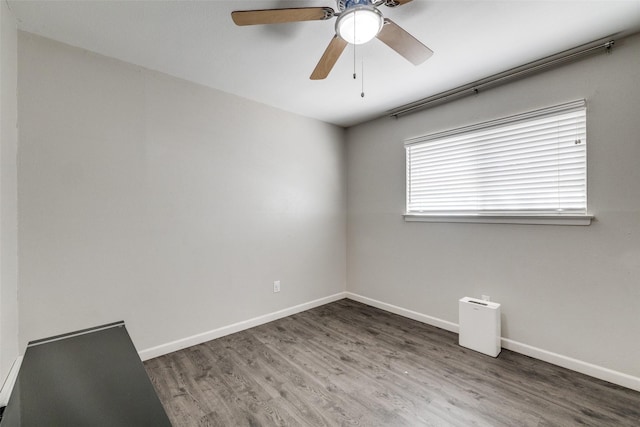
167,204
8,189
172,206
569,290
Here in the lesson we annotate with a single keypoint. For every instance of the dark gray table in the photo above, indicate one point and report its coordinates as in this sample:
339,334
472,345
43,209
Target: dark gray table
92,377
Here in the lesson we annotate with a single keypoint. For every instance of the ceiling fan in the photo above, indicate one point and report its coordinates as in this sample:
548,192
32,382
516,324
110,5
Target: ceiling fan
358,22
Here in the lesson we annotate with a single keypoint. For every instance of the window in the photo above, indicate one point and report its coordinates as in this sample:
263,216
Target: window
529,168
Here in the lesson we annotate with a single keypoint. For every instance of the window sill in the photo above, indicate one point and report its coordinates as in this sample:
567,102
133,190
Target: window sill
503,219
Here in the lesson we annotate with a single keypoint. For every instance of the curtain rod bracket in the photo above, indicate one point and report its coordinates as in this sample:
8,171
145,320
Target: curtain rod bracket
609,45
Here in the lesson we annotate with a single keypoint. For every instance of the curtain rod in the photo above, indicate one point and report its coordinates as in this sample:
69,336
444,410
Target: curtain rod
504,77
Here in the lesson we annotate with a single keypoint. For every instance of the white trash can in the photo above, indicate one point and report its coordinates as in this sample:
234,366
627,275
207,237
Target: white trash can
479,325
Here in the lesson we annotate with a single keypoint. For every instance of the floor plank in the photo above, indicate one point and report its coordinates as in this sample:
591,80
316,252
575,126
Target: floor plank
347,363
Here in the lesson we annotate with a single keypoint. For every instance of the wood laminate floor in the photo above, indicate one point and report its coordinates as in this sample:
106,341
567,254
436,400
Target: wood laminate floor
347,363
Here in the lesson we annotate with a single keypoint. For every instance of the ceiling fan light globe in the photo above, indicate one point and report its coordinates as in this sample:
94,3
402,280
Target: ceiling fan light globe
359,24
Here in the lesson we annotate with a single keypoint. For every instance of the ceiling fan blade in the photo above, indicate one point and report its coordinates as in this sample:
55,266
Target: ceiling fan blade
279,16
395,3
329,58
403,43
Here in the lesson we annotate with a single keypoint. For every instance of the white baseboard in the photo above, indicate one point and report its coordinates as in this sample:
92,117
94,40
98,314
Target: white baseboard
606,374
10,381
429,320
586,368
170,347
615,377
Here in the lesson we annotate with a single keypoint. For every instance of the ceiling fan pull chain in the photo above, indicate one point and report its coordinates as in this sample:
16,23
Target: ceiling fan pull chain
354,62
354,47
362,79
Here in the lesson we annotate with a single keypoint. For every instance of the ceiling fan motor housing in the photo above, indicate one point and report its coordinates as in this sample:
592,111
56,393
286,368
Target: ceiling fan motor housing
348,4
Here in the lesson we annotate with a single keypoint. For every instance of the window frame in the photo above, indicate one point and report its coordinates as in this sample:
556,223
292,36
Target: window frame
559,218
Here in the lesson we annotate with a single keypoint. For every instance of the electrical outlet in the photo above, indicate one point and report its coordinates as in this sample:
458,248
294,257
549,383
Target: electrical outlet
486,298
276,286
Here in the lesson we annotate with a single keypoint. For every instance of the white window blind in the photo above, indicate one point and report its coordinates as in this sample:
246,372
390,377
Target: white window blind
530,164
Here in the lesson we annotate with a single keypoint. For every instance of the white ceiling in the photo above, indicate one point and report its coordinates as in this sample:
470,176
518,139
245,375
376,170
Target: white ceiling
271,64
